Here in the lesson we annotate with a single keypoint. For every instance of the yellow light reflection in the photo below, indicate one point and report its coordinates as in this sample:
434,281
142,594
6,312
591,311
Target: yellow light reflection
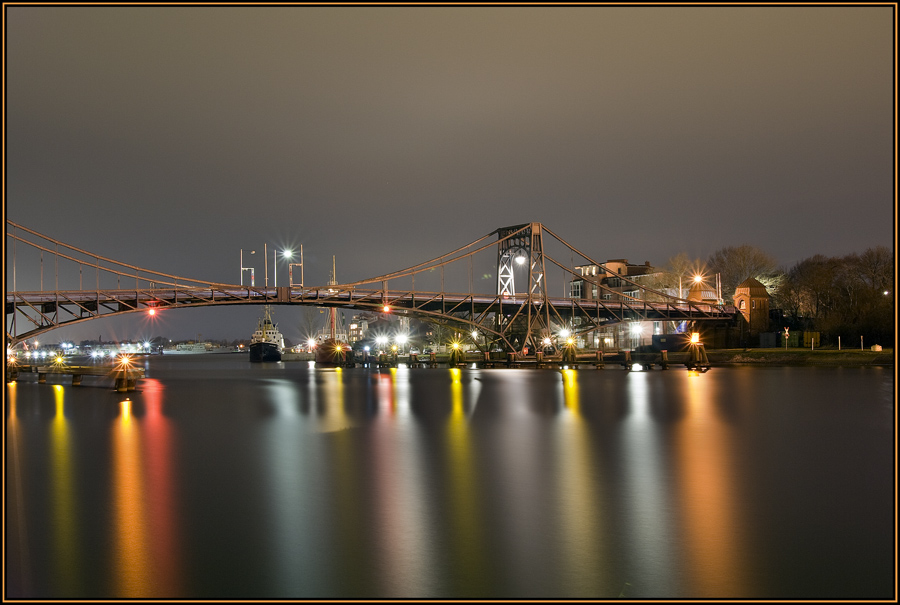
64,515
709,498
582,539
468,533
132,560
16,542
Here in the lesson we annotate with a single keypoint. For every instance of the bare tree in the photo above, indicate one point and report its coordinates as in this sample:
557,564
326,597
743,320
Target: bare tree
737,263
310,322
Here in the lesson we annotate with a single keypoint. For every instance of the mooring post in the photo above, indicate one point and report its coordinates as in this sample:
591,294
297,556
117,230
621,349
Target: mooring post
599,362
626,362
664,359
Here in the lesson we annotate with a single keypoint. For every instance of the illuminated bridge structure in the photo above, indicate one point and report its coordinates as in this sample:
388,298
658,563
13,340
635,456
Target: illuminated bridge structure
520,312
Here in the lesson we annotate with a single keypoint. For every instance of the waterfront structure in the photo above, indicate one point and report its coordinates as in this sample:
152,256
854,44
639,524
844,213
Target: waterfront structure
604,281
751,299
518,318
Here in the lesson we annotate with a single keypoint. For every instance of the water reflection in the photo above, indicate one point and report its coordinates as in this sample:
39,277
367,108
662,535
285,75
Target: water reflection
645,496
402,557
297,556
131,558
162,492
468,563
715,541
18,576
65,514
582,542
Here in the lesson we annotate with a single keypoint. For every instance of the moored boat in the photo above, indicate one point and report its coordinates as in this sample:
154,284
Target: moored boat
267,343
332,351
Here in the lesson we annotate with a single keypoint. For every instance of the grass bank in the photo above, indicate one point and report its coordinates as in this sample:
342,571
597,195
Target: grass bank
802,357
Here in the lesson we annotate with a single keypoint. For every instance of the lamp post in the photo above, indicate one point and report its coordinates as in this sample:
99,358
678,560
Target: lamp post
289,254
250,269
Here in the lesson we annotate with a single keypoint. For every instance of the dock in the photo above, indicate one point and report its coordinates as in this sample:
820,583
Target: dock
125,378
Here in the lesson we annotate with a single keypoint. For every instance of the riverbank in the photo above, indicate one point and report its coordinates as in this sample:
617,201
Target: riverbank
801,357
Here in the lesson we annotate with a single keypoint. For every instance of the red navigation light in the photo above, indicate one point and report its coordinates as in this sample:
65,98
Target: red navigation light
151,311
387,309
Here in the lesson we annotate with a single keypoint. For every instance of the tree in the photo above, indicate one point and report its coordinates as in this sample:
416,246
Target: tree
310,323
678,271
736,263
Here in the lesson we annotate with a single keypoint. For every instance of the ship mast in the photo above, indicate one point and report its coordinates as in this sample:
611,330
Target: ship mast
332,312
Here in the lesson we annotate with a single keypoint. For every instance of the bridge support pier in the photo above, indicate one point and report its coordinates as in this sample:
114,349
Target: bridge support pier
626,360
664,359
599,363
76,380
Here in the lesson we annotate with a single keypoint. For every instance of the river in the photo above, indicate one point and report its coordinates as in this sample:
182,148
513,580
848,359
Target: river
218,479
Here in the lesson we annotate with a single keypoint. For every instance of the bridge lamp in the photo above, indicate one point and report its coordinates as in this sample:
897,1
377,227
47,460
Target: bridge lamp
695,338
636,328
520,260
474,334
698,278
386,309
455,345
151,311
570,341
564,333
394,348
547,341
311,343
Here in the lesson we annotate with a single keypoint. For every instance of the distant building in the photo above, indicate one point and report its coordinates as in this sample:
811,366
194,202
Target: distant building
751,300
604,281
617,280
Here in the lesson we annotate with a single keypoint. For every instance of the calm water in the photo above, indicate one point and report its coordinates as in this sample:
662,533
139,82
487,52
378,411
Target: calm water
224,479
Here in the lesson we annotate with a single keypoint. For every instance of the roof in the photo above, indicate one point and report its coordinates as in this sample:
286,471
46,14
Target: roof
751,286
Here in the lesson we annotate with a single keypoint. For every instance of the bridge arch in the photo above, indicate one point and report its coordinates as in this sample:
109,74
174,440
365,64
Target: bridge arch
506,314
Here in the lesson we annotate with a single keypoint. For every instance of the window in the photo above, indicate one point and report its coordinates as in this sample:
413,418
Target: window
743,304
575,289
752,304
594,291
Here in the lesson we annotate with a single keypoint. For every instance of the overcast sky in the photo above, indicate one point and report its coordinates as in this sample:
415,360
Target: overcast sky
172,137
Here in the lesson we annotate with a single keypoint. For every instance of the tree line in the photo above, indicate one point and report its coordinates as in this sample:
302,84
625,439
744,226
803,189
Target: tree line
848,296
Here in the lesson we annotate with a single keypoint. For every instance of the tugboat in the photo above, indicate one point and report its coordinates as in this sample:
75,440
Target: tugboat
332,351
267,342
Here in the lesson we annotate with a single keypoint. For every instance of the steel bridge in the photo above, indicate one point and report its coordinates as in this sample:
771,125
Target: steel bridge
519,313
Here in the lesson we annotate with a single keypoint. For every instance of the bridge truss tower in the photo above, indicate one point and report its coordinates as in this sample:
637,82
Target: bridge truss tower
522,246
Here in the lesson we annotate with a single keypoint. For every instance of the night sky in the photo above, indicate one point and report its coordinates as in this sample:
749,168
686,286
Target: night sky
172,137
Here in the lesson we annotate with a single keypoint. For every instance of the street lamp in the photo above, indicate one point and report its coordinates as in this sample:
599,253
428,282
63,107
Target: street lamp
250,269
288,254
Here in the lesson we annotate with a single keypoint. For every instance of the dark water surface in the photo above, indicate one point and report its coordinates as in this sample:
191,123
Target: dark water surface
222,479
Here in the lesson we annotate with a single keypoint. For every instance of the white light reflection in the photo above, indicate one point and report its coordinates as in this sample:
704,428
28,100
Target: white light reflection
646,496
402,517
294,533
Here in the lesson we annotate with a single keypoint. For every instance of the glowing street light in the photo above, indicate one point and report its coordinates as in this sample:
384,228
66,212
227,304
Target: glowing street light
289,254
250,269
